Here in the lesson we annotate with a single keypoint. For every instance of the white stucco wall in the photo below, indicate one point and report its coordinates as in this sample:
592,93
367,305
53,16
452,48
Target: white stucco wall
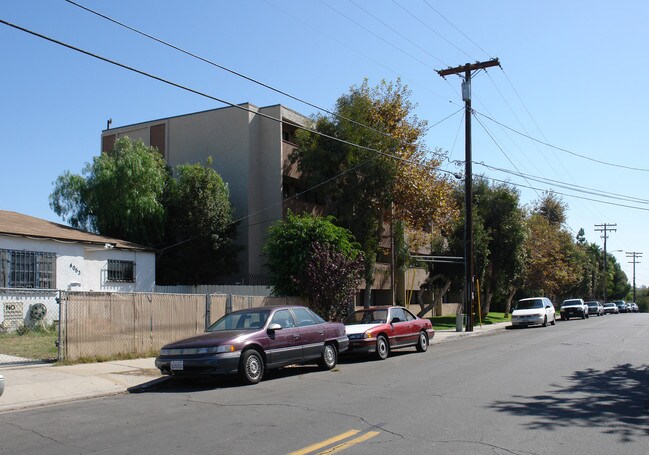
82,267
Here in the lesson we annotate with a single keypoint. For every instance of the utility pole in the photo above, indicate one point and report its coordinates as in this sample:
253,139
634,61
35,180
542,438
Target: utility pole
468,181
635,255
605,228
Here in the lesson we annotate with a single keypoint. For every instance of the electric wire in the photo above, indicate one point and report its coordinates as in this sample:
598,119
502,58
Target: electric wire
369,13
374,34
344,44
431,29
606,163
224,68
461,32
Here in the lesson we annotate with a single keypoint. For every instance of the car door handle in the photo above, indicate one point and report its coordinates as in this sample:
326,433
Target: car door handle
321,332
296,336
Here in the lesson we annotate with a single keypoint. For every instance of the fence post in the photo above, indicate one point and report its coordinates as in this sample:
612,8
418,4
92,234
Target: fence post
59,302
208,310
228,304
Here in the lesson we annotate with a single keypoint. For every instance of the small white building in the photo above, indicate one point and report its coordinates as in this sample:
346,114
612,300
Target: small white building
39,257
40,254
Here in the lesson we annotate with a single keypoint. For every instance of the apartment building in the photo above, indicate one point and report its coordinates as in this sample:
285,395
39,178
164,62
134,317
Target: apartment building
250,147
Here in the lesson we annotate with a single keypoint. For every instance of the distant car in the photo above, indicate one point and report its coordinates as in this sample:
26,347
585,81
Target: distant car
2,384
611,308
634,307
379,330
595,308
250,342
534,311
621,306
573,308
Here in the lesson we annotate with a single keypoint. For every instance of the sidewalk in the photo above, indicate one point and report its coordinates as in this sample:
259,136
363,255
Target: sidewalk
45,384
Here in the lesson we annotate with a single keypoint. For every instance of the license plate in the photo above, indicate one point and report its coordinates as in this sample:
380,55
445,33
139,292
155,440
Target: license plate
176,365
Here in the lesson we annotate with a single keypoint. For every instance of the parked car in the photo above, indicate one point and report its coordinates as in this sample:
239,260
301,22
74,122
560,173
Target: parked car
621,306
611,308
634,307
534,311
250,342
379,330
2,384
595,308
573,308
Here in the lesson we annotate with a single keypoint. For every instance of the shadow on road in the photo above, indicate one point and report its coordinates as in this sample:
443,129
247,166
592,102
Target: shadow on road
616,401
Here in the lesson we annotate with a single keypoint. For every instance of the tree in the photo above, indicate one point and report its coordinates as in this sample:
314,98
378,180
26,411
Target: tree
391,174
120,195
200,229
288,249
503,231
551,269
331,280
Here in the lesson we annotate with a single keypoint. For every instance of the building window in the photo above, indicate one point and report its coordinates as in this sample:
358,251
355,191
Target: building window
27,269
121,271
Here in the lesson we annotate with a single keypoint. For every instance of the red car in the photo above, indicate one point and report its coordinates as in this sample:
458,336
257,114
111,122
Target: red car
250,342
378,330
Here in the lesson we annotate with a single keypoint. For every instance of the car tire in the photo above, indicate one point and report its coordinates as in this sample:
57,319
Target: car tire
585,316
545,321
251,367
382,348
329,357
422,343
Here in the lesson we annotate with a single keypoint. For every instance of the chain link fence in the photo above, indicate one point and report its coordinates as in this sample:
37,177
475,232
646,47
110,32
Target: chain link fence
29,323
39,325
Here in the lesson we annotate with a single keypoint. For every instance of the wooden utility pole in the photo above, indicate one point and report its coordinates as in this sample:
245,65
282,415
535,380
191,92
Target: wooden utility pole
468,181
605,228
635,255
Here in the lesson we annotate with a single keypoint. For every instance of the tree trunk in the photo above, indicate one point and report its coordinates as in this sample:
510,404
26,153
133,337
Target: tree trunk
508,303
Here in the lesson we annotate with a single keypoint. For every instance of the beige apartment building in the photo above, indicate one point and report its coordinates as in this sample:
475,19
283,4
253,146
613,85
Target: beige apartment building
250,147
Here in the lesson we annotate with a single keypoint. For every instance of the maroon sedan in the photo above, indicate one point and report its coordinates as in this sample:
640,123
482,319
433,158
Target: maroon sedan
378,330
250,342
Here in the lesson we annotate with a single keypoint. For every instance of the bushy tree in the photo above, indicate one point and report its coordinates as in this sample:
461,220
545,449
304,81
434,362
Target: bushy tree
391,174
331,280
288,249
120,194
200,230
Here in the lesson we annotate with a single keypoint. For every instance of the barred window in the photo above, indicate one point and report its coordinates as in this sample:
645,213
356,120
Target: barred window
27,269
121,271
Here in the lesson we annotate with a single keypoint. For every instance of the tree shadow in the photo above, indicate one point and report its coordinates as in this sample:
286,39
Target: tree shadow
616,401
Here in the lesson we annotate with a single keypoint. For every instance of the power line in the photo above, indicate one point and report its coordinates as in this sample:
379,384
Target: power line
567,186
431,29
224,68
562,149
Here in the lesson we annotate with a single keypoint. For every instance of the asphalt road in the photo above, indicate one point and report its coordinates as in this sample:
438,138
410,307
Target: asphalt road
581,386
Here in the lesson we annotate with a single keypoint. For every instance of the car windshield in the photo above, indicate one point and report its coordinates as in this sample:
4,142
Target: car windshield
609,305
367,317
571,302
241,320
529,304
591,304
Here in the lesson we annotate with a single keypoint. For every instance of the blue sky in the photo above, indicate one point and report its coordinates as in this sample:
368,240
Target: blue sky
572,76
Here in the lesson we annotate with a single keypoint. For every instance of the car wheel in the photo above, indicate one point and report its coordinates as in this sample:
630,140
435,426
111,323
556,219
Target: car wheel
585,316
251,367
554,320
382,348
422,344
329,357
545,321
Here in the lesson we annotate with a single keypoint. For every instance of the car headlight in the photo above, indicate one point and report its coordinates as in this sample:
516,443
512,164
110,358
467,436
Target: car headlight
367,335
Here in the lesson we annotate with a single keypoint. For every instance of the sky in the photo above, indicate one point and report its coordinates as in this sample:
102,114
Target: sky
566,108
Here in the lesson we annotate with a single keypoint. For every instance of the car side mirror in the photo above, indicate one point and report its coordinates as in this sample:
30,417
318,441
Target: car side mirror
274,326
395,320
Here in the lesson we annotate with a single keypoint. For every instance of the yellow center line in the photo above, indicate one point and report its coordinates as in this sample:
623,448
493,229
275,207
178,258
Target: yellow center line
320,445
348,444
